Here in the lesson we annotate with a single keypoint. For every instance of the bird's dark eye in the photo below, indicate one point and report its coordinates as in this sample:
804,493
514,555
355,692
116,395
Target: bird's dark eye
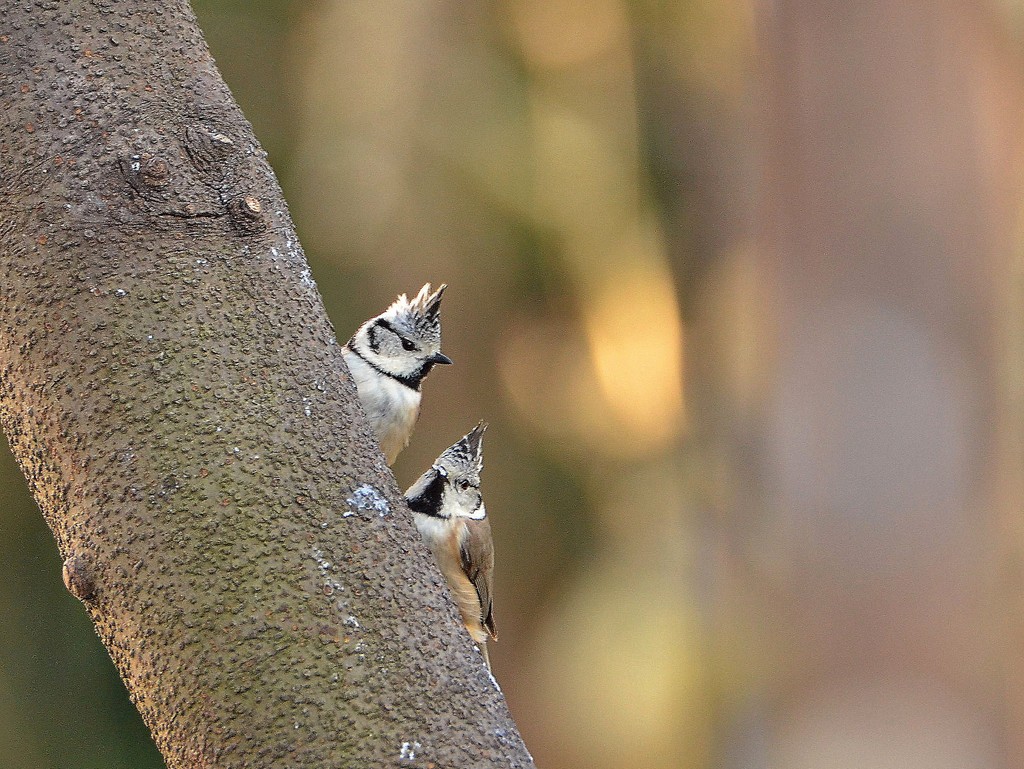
407,345
462,484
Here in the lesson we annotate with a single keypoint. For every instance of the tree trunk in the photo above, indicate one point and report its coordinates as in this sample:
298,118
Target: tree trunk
176,397
888,182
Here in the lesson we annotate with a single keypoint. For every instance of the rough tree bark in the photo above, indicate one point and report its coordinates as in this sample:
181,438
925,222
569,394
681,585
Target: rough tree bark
174,392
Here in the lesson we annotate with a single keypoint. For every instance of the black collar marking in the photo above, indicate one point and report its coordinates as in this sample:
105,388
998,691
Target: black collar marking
429,501
412,381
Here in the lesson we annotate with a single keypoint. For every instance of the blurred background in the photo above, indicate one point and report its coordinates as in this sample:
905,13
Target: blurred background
739,287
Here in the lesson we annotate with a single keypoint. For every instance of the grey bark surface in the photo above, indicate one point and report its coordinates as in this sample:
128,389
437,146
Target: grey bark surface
176,397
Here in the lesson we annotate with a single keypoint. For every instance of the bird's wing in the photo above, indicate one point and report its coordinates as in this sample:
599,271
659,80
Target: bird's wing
477,554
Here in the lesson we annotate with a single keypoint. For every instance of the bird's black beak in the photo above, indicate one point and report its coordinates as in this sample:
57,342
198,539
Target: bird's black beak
439,357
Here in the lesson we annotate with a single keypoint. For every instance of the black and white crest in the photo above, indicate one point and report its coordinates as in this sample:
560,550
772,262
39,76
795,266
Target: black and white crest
466,454
420,316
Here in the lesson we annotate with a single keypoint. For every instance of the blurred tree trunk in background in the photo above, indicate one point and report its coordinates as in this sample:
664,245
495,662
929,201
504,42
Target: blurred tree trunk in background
888,455
172,388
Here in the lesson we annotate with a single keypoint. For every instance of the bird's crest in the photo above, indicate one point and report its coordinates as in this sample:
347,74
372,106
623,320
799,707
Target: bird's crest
421,315
468,451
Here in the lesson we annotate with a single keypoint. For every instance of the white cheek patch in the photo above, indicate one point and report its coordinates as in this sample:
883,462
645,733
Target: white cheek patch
479,514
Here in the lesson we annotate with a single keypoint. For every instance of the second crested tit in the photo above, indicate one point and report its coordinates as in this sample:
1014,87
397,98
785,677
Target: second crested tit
450,515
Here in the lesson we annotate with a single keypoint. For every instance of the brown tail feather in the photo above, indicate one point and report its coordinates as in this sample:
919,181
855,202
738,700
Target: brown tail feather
483,651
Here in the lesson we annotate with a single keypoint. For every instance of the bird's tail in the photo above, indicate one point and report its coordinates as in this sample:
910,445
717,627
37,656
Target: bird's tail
483,651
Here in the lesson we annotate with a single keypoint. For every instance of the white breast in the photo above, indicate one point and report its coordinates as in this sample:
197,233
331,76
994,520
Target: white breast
391,406
433,529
